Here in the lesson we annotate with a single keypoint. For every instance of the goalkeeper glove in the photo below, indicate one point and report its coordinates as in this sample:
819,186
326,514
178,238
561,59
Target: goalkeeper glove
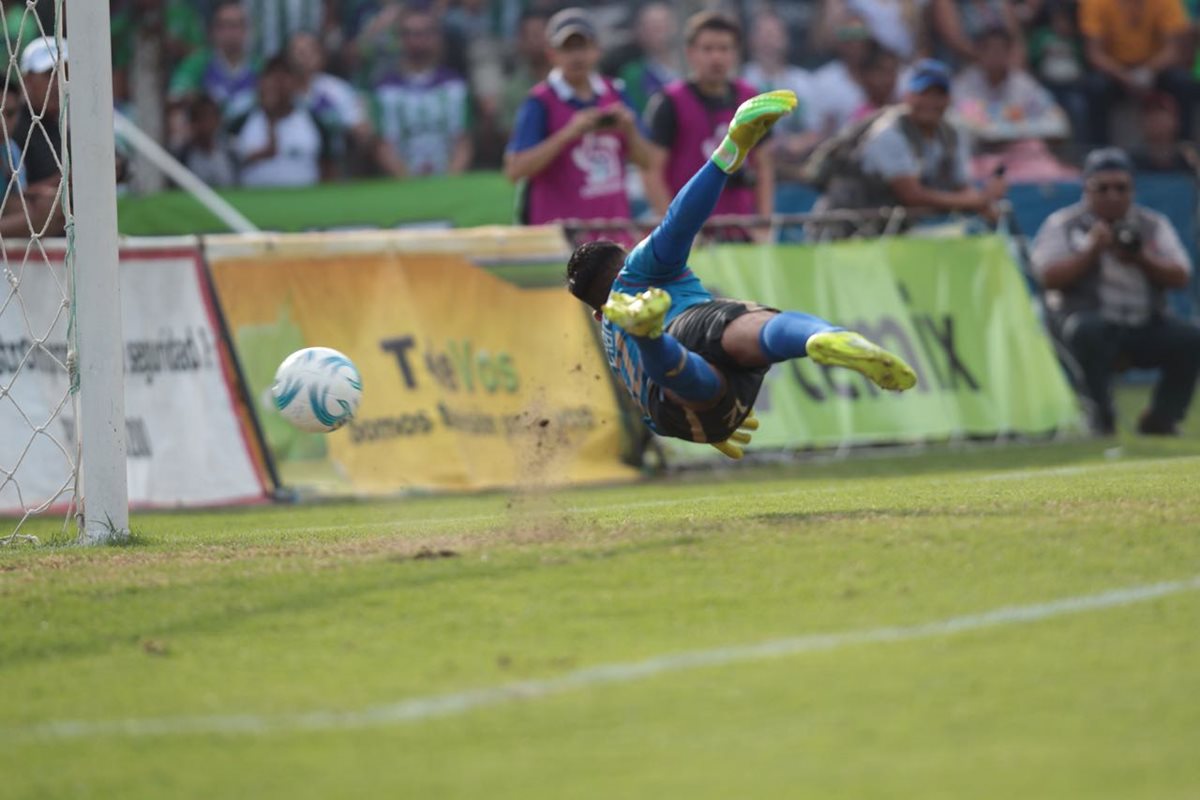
750,123
732,446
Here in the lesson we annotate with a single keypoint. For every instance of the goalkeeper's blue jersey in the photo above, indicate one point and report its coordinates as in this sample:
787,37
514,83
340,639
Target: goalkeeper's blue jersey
641,271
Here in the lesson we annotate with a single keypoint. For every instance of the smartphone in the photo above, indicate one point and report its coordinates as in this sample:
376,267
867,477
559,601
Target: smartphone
607,120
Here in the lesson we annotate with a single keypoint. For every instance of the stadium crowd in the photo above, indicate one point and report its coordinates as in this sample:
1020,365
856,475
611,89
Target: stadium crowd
291,92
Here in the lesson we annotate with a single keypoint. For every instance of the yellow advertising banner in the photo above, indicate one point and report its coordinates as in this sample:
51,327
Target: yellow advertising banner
468,381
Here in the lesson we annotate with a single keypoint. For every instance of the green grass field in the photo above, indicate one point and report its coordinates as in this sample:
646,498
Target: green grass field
829,629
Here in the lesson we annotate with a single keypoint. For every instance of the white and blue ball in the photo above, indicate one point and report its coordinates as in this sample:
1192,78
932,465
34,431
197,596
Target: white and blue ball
317,389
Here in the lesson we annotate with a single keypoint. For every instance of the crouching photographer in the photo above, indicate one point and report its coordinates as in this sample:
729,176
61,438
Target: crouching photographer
1106,265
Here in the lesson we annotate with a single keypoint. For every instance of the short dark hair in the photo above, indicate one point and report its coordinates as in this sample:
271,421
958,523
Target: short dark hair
711,21
588,264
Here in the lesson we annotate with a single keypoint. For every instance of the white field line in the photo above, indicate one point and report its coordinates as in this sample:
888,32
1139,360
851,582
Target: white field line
418,709
562,511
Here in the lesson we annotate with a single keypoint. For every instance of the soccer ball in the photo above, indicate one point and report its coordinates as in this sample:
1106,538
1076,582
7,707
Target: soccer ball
317,389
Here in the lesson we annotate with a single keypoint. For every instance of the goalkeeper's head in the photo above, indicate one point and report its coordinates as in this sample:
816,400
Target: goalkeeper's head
592,269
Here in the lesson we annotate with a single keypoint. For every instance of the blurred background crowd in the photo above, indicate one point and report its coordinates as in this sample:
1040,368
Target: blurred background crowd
386,87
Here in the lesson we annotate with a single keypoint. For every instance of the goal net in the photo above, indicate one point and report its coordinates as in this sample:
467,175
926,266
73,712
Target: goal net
57,331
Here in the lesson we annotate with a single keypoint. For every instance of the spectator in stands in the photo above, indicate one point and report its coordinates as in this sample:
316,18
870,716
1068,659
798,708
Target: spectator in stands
909,155
208,154
656,31
225,72
1106,265
1057,59
1161,149
422,108
958,24
331,100
531,66
1009,113
794,135
38,210
688,117
42,137
879,76
836,89
1135,46
574,134
280,143
899,25
277,21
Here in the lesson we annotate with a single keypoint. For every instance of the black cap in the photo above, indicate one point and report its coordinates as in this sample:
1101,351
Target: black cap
567,23
1106,159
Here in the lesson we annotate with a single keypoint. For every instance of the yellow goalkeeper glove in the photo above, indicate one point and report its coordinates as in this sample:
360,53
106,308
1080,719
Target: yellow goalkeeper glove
750,124
732,446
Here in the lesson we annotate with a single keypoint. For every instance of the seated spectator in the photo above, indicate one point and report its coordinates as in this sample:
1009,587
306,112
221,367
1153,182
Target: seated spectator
225,72
656,31
38,209
207,154
879,74
279,143
422,108
837,92
1106,265
957,24
795,135
1057,59
1161,149
907,155
1009,113
1135,46
687,117
574,134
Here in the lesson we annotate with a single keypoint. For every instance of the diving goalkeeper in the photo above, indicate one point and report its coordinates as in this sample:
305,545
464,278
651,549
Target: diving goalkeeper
693,363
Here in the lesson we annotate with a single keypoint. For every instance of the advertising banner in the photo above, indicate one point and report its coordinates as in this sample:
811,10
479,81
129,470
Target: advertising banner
468,381
187,444
955,309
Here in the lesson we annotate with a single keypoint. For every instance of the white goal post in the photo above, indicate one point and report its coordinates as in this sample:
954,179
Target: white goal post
92,263
62,417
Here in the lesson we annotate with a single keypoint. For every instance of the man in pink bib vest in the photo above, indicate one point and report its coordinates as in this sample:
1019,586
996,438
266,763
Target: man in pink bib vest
574,134
689,118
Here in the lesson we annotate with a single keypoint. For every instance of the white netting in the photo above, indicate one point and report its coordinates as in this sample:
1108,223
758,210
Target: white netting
38,451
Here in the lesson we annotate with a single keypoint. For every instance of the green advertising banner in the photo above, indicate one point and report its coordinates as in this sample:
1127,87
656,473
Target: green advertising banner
956,309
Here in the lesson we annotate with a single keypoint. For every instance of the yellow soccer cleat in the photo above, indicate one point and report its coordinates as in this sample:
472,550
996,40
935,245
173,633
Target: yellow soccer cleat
750,124
641,315
853,351
733,446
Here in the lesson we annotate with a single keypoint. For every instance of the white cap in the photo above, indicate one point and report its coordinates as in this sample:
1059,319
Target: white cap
41,54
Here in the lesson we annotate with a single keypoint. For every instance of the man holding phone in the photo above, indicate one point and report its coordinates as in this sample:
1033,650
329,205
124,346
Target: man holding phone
574,134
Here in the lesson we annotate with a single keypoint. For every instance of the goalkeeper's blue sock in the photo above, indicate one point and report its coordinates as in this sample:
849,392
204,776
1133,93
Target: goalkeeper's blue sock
674,367
672,240
785,335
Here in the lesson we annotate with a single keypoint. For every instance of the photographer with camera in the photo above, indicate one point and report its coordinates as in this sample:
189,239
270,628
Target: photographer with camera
574,133
1106,265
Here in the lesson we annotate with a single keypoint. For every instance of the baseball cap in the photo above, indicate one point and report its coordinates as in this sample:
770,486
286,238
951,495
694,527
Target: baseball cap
567,23
41,54
1106,159
928,73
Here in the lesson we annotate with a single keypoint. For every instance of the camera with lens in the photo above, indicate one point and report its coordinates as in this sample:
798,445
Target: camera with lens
1128,237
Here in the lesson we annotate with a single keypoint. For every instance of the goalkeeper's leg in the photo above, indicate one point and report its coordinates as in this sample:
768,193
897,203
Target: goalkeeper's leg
666,362
769,337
